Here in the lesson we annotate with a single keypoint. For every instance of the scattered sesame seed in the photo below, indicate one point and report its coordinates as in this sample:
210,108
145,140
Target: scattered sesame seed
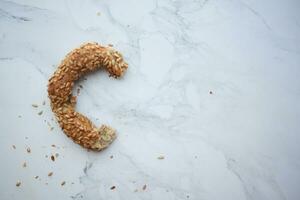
113,187
144,187
160,157
18,183
52,158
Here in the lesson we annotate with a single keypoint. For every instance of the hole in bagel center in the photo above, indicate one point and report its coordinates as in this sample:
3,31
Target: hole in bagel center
96,96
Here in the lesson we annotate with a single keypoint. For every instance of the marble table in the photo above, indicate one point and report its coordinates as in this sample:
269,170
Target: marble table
208,109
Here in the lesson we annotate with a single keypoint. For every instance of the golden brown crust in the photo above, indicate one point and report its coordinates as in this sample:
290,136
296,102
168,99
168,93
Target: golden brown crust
86,58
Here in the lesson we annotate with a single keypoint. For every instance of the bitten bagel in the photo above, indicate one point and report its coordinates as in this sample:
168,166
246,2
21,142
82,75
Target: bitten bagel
87,58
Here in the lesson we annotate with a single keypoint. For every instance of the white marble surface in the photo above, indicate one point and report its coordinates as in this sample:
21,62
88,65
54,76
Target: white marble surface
240,142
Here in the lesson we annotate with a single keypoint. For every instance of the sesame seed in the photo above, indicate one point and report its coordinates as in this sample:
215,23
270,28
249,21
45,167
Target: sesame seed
18,183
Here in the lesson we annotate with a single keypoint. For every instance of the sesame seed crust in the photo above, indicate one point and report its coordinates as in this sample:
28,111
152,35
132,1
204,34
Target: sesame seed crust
87,58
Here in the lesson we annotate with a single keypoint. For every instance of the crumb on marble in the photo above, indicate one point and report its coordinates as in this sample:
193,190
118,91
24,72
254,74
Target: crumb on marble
24,164
161,157
111,157
52,158
63,183
14,146
40,113
34,105
28,150
50,174
36,177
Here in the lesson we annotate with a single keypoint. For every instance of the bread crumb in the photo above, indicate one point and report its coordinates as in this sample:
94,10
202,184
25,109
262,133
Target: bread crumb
63,183
34,105
160,157
50,173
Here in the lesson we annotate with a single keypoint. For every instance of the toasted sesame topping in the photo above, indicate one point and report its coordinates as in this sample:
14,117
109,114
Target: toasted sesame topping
86,58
